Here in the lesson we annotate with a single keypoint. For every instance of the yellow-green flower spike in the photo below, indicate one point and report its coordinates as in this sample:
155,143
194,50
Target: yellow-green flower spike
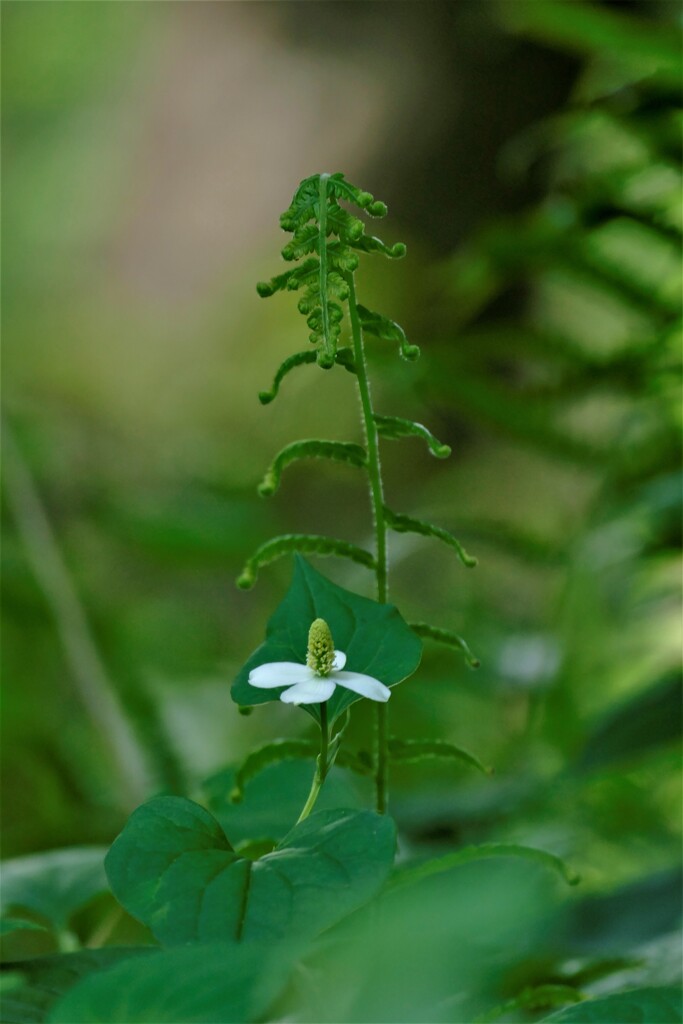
320,655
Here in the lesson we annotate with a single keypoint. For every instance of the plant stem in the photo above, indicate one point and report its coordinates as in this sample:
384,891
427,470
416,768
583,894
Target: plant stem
322,766
377,500
322,252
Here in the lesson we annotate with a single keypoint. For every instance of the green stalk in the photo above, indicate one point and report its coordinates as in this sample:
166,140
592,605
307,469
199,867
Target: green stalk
322,253
322,767
377,501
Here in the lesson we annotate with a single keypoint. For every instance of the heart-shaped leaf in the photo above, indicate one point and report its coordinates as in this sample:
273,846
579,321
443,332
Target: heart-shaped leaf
274,798
54,884
374,638
173,868
228,982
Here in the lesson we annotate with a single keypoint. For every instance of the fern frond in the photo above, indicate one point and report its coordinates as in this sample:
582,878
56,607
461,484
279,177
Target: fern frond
307,544
371,244
382,327
400,523
447,637
421,750
340,451
298,359
325,237
393,428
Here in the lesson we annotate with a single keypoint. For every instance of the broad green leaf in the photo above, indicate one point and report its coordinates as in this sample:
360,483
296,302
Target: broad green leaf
287,750
639,1006
17,924
54,884
538,997
173,868
412,873
374,637
591,29
270,753
43,980
229,982
273,799
637,725
606,924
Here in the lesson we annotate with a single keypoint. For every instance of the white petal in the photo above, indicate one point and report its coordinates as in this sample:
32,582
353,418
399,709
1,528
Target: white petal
313,691
366,686
339,660
279,673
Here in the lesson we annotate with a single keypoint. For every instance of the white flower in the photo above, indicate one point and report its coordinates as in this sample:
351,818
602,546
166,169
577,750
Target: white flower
316,681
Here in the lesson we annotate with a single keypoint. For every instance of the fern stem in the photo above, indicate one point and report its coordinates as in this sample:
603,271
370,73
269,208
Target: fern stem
328,351
381,758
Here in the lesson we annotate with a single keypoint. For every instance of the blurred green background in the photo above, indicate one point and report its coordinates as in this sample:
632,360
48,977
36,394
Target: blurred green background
530,156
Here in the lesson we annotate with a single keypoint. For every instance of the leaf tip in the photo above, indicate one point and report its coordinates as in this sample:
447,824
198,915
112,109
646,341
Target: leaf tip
410,353
268,486
246,579
442,451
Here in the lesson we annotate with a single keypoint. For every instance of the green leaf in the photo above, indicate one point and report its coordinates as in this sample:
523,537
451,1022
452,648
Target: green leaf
372,244
271,753
343,356
173,868
388,330
588,29
16,924
636,726
447,637
419,750
339,451
298,359
416,872
284,750
296,542
54,884
639,1006
406,524
45,979
374,637
539,997
229,982
393,428
274,798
